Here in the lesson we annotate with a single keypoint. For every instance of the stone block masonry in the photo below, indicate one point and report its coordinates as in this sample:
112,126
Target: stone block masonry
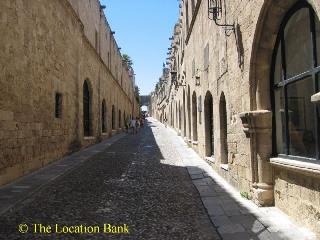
48,50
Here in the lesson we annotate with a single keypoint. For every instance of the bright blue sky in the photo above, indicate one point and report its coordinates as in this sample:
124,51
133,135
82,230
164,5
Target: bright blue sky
143,28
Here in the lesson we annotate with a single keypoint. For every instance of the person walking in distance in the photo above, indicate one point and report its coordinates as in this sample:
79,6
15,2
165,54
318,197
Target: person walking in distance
133,125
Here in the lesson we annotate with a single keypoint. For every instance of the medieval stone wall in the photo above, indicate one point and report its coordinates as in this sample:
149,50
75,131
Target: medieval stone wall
238,65
47,50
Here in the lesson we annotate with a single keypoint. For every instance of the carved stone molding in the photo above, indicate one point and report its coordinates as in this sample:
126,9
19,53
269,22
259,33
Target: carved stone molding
316,98
257,121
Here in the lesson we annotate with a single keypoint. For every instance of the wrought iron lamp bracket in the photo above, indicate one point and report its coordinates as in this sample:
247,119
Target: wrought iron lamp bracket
215,14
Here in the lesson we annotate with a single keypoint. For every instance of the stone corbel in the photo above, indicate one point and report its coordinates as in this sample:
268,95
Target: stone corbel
257,121
316,98
257,126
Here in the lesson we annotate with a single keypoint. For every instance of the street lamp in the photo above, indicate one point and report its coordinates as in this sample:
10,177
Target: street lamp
215,14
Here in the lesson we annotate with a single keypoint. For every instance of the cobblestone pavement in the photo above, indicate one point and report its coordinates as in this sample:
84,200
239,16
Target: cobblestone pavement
139,181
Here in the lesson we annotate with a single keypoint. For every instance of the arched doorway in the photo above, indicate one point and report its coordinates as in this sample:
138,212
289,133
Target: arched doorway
119,119
189,112
194,117
223,130
184,114
104,116
179,116
113,118
209,130
86,109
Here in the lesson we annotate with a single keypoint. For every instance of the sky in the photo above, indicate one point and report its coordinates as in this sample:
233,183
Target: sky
143,29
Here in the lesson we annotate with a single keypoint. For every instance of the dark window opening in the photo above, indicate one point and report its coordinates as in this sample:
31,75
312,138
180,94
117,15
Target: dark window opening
104,117
113,118
58,105
86,110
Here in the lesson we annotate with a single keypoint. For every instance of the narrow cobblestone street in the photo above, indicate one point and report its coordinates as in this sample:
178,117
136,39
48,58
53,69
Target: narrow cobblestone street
139,181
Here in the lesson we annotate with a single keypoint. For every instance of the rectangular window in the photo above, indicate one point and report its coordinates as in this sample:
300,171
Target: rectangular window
58,105
108,59
193,68
187,16
96,41
206,57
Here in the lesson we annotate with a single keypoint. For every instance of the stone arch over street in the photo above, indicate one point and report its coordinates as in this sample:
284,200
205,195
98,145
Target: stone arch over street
209,124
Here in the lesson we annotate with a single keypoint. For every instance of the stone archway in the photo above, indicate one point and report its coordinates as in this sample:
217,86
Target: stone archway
179,116
104,116
87,105
189,113
209,127
194,117
223,129
184,114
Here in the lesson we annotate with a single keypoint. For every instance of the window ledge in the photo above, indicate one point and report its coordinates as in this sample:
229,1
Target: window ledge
301,166
224,167
210,159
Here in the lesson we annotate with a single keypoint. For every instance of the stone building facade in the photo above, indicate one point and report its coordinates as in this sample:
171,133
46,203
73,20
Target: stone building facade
243,90
63,83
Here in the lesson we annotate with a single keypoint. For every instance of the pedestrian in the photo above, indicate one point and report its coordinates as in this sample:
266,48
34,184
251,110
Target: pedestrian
127,124
137,124
133,125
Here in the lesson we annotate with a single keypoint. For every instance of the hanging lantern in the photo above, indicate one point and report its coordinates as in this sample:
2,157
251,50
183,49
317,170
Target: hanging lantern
214,9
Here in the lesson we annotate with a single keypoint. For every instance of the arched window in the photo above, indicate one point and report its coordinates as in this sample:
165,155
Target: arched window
295,78
113,123
104,116
86,109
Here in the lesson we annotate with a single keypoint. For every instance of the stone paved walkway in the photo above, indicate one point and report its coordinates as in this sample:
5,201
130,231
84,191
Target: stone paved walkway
140,180
144,181
234,217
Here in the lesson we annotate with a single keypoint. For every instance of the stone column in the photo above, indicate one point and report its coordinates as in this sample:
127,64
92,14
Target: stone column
258,127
